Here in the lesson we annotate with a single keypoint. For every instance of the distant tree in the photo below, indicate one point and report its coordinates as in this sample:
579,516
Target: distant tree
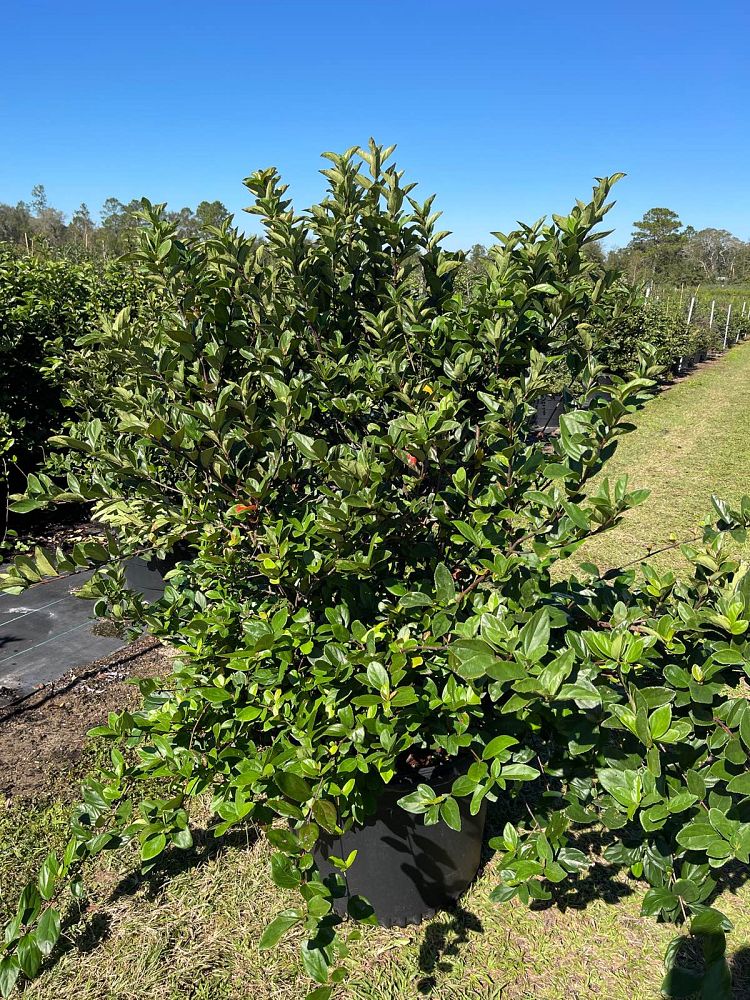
477,253
211,213
38,199
659,239
593,251
82,226
657,226
119,224
186,222
714,252
50,225
15,223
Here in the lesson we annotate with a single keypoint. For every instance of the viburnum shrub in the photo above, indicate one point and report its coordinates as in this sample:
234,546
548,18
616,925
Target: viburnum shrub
336,447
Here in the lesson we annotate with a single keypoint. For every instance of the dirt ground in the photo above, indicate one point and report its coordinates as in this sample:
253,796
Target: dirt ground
42,735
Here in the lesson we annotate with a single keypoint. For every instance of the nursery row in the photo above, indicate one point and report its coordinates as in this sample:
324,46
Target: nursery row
45,305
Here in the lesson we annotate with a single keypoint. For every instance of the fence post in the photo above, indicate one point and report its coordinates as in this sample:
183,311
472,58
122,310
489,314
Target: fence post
726,328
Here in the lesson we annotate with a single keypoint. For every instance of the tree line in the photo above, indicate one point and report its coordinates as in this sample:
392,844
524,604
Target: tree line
662,249
35,223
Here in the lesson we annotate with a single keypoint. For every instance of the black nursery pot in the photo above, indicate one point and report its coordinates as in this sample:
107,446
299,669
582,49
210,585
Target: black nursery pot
406,870
549,409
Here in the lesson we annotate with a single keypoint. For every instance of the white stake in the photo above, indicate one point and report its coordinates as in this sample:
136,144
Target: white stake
690,312
726,328
711,318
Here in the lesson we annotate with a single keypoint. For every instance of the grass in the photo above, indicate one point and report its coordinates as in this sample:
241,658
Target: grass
691,441
190,928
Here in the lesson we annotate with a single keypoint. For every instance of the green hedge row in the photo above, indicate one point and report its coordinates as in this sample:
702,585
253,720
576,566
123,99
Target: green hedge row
676,345
45,304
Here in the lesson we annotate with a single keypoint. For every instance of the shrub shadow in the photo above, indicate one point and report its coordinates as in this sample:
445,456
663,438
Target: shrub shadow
443,939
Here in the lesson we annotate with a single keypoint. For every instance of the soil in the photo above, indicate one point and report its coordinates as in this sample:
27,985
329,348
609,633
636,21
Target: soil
42,736
61,527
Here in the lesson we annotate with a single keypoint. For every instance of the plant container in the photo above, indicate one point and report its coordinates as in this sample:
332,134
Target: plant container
549,409
408,871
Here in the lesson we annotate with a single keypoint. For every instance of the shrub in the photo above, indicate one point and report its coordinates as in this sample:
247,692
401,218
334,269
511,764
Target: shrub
337,445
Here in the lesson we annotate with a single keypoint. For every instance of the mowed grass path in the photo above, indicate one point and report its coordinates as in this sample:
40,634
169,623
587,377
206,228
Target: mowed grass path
190,929
692,440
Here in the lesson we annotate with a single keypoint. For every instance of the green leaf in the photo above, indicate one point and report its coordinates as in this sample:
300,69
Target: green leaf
377,676
9,973
450,814
573,859
293,786
497,745
472,657
48,930
182,839
278,928
680,984
445,588
320,993
710,921
419,800
325,814
660,721
25,506
658,900
404,697
283,872
315,963
29,955
153,846
740,784
581,691
502,893
48,876
463,785
717,979
518,772
696,836
535,636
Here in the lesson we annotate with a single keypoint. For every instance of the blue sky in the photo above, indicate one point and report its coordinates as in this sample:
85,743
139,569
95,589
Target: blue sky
505,109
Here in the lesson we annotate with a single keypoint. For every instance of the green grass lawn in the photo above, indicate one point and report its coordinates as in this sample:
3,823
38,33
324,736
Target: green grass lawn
190,928
692,440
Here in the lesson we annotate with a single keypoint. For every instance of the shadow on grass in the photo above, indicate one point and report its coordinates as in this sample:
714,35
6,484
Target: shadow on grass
442,940
739,964
85,929
173,862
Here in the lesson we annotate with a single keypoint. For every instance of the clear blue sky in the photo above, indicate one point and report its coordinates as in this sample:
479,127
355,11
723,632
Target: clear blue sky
505,109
